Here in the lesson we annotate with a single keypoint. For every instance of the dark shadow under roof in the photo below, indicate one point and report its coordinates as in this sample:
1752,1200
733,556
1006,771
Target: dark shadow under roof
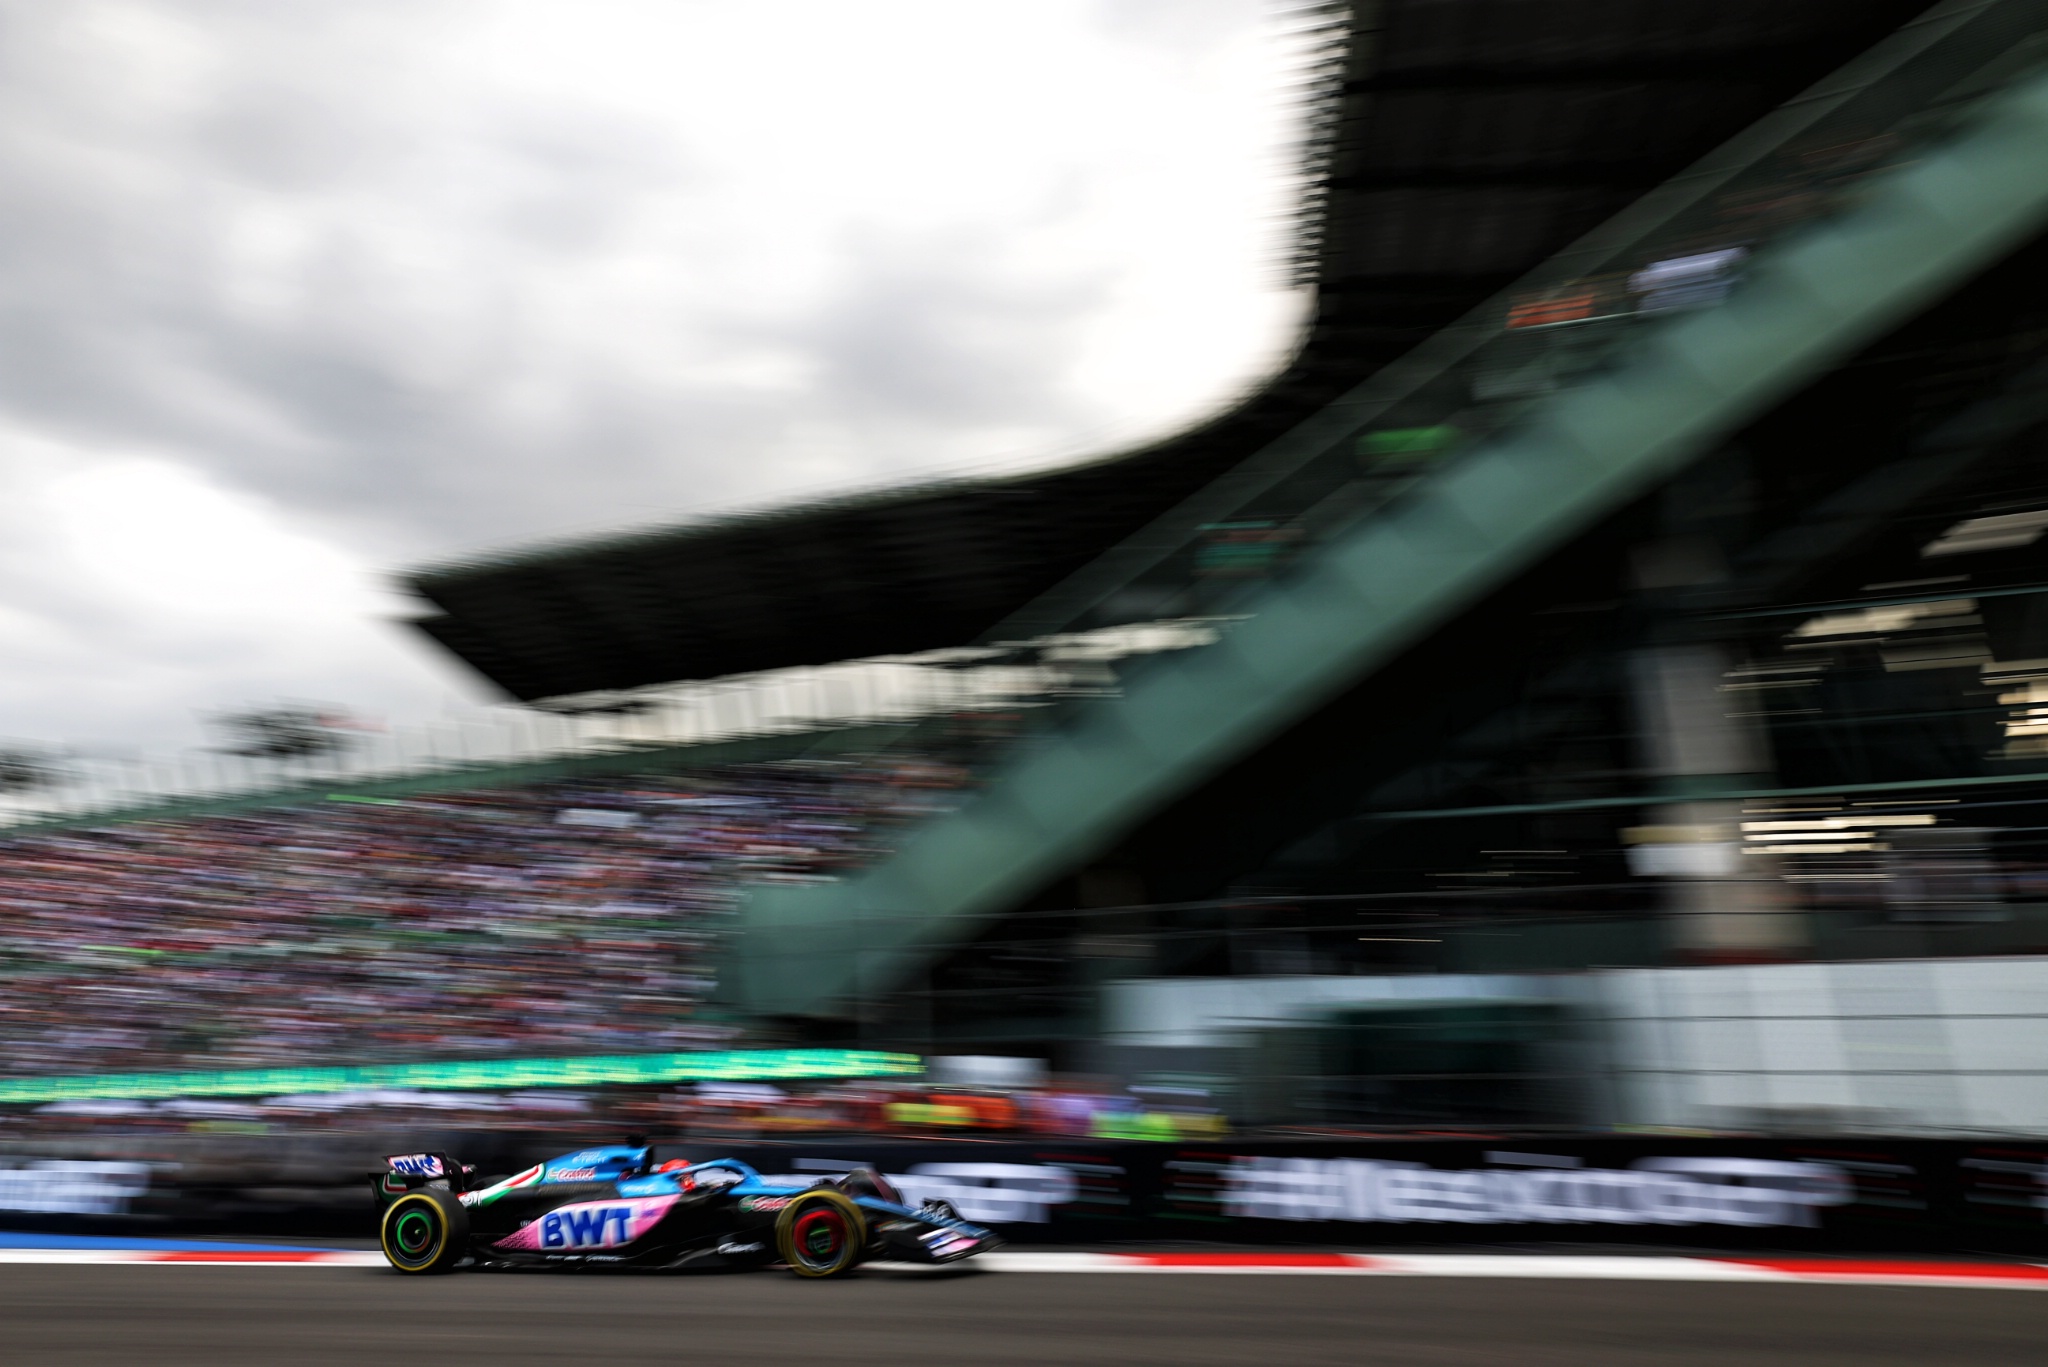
1455,144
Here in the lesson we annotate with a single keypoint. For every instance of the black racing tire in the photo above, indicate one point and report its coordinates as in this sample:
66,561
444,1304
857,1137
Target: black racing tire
424,1232
821,1233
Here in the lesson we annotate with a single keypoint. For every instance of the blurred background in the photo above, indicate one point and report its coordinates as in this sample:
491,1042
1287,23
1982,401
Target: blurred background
1522,620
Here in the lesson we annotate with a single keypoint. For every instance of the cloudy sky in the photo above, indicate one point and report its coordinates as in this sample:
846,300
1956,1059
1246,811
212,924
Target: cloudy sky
295,294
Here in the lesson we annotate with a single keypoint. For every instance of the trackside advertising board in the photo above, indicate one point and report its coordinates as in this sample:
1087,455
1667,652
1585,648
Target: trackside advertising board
1820,1194
1695,1192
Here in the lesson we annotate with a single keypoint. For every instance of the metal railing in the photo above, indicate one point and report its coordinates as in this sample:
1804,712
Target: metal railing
862,703
794,704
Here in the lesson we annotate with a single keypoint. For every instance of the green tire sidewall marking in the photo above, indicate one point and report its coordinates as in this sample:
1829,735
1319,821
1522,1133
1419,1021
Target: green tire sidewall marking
414,1232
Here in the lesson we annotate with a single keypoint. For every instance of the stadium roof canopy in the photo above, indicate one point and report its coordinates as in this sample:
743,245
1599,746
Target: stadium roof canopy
1453,145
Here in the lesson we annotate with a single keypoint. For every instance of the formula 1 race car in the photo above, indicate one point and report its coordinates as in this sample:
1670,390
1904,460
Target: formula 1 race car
616,1206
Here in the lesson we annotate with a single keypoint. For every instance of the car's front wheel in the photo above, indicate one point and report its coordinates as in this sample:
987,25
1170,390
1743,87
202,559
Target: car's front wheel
424,1231
821,1234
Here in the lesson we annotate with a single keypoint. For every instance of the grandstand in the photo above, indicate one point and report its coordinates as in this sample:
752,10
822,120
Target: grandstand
1638,569
528,920
1727,393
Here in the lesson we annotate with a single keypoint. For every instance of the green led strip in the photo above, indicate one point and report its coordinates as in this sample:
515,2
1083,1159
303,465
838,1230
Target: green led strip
743,1065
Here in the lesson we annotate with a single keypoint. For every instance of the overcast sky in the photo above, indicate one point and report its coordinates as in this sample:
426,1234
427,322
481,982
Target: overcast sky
294,295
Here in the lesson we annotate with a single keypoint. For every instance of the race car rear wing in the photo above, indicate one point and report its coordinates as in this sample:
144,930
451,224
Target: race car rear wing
410,1171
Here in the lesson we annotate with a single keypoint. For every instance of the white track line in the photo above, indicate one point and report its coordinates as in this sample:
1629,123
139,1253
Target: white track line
233,1258
1853,1272
1864,1272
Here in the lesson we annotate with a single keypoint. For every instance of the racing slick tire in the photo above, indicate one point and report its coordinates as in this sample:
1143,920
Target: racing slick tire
821,1234
424,1231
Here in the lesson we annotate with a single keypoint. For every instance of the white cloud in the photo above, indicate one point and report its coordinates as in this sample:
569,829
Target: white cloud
348,286
179,576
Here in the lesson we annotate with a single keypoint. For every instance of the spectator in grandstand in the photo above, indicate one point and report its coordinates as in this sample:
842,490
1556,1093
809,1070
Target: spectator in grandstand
570,917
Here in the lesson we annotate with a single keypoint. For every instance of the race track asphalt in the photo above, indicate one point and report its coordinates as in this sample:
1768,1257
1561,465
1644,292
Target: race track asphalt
174,1315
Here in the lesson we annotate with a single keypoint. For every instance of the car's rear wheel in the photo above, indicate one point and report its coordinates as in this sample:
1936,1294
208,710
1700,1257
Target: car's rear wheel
424,1231
821,1234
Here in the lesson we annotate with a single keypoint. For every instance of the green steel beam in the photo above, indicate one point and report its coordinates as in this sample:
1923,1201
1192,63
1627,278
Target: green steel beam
1910,236
741,1065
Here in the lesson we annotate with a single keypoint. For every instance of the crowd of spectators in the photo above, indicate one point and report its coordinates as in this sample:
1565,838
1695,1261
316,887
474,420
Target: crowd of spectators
571,917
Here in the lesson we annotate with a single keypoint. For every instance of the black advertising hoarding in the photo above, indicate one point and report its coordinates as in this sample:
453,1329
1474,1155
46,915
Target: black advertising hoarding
1800,1194
1674,1192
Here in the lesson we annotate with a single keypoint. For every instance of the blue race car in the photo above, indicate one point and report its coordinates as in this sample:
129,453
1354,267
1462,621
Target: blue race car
616,1206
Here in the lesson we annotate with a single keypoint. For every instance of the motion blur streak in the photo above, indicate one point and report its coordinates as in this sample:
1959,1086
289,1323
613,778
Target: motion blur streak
262,1315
